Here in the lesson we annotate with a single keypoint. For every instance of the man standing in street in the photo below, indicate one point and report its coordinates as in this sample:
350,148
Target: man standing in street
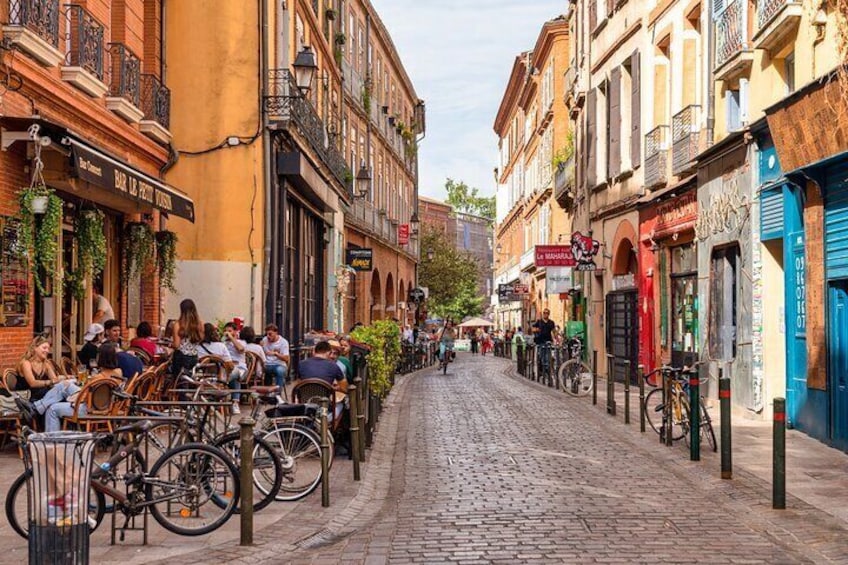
276,349
543,331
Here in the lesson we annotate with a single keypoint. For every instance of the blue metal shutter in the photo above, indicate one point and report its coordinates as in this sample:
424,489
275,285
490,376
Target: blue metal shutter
836,223
771,214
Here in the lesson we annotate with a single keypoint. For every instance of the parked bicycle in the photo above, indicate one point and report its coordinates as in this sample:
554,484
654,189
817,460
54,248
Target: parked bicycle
679,413
575,377
191,490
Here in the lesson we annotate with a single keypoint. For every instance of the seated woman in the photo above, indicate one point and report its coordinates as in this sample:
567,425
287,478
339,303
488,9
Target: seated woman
143,339
37,375
212,345
107,364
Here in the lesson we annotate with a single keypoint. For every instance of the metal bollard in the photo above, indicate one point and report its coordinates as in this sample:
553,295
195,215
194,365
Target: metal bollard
779,455
694,415
724,406
325,455
640,375
627,391
610,386
594,377
246,480
372,417
353,395
360,425
668,421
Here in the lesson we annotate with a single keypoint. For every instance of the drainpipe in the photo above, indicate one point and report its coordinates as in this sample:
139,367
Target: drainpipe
267,155
710,79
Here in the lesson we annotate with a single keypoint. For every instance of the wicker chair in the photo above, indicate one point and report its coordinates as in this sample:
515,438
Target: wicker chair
10,420
255,374
97,396
142,355
313,391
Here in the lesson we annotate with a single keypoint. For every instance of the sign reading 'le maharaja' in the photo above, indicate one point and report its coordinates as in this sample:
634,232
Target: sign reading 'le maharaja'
360,259
93,167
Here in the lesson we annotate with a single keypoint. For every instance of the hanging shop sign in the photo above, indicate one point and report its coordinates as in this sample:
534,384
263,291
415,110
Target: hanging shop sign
360,259
521,289
677,213
403,234
416,296
559,280
554,256
584,249
506,294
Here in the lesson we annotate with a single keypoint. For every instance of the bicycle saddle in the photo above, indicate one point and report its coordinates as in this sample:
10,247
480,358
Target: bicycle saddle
265,390
136,427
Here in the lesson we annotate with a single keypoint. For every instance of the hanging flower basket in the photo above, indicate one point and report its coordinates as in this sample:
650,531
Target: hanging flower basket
39,247
39,204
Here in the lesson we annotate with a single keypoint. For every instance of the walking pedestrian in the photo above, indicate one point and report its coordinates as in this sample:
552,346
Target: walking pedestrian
474,341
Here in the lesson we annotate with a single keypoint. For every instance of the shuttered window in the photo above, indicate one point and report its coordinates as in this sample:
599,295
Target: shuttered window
614,123
836,224
771,214
635,112
591,138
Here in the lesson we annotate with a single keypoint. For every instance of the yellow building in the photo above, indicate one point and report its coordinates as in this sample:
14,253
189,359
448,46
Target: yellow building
533,129
264,141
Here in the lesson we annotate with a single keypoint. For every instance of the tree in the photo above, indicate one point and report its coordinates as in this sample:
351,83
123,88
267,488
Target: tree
450,276
468,201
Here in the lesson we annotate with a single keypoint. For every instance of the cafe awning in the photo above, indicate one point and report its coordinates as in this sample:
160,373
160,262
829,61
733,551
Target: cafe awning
93,166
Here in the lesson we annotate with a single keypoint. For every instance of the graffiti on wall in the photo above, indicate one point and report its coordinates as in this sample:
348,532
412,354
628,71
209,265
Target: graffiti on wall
724,212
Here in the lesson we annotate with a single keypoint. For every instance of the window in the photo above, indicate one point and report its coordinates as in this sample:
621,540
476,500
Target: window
737,106
544,223
789,73
724,294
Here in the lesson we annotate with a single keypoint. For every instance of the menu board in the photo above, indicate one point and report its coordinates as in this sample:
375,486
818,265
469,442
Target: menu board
14,275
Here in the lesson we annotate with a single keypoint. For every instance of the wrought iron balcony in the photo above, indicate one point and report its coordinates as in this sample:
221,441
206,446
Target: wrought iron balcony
733,49
286,104
368,218
126,74
85,42
564,183
656,157
684,138
39,16
776,19
155,101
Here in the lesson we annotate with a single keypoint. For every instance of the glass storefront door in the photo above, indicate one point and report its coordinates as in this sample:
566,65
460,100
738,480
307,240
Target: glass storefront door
684,305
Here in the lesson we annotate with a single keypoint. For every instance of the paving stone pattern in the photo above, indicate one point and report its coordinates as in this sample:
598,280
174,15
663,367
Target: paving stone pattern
499,470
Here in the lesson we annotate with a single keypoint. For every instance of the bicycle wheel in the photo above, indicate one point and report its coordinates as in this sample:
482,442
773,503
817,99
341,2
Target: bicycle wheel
267,467
186,486
17,504
575,377
654,414
300,451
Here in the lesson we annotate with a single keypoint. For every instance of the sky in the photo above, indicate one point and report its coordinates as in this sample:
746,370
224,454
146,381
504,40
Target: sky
459,55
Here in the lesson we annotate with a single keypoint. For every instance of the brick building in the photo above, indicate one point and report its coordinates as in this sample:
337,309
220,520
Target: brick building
85,97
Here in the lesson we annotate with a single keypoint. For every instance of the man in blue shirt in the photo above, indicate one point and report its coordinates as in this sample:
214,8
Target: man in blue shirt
320,366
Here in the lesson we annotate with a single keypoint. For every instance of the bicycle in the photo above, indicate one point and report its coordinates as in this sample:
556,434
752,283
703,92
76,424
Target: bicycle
574,376
447,355
181,483
680,411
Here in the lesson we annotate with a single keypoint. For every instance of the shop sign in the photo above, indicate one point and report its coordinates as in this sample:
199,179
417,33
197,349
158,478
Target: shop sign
506,294
559,280
584,249
624,282
403,234
416,296
676,212
554,256
360,259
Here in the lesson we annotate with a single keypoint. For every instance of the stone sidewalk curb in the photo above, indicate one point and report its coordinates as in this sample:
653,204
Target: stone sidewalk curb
798,527
358,512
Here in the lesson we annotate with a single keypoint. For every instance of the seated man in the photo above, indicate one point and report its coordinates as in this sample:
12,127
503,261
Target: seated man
322,366
130,365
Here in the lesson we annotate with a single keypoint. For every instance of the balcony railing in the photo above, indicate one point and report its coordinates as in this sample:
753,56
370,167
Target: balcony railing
731,31
39,16
126,74
656,157
285,103
766,9
365,216
564,183
85,42
684,136
155,101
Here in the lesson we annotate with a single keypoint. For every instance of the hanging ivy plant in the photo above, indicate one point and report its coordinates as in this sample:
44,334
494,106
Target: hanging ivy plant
91,242
75,284
39,245
166,258
138,249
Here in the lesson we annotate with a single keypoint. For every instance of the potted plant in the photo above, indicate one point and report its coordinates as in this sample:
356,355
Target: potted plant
138,249
340,38
91,243
166,258
39,241
331,14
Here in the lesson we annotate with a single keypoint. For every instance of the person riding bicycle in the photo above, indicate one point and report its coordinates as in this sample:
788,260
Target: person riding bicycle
446,337
543,331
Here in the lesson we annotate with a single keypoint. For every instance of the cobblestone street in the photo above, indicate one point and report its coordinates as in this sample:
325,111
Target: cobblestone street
493,469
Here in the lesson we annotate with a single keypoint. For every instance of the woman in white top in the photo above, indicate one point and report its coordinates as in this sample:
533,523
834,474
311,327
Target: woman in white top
213,346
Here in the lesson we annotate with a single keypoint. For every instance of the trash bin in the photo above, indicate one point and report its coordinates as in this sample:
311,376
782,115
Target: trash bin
58,507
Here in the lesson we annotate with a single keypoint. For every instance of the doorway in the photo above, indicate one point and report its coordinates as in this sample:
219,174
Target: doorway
838,361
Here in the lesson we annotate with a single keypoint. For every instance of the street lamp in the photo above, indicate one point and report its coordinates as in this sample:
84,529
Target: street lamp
363,182
499,249
430,254
414,222
304,69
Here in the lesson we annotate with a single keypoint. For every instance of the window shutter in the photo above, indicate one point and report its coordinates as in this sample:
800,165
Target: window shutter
732,102
635,111
610,7
743,101
593,15
614,123
591,138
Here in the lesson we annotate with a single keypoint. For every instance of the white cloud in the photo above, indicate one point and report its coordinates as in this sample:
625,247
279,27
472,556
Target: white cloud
459,56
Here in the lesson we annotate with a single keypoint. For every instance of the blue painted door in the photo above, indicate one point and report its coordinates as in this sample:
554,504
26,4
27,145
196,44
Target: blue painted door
796,324
838,365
